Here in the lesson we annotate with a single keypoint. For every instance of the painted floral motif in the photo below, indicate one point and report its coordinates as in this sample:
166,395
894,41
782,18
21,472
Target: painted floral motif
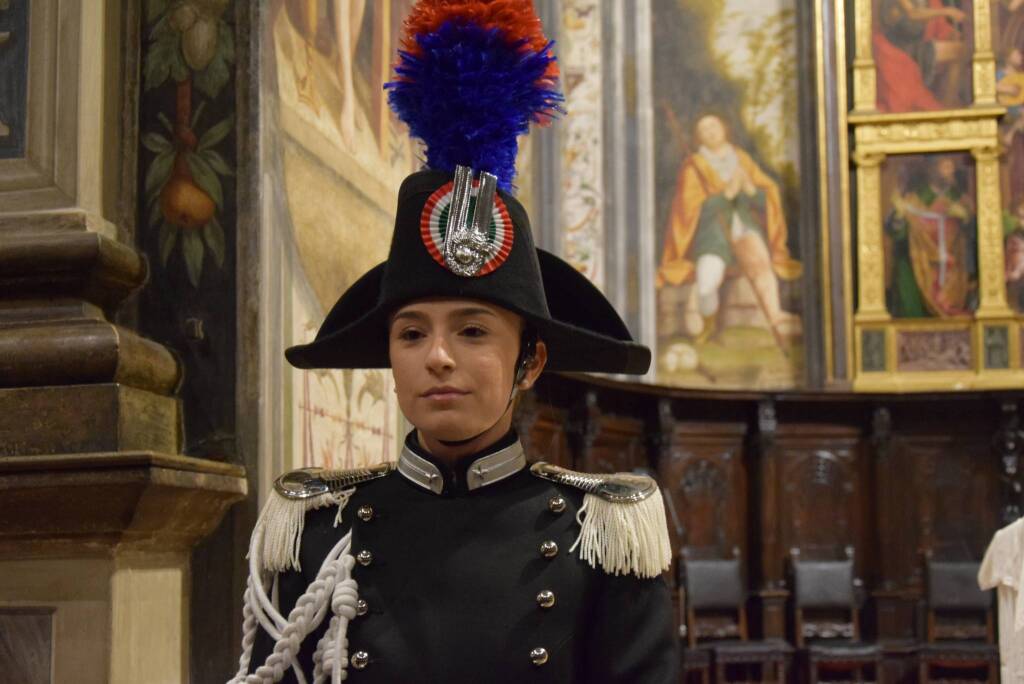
582,179
191,45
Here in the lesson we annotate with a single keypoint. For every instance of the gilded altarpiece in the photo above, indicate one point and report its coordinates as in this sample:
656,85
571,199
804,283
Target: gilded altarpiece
930,231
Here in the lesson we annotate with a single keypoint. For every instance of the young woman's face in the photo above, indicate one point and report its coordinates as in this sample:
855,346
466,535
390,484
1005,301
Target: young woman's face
454,364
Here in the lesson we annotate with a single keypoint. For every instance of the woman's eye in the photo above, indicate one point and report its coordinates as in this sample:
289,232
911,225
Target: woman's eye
473,331
409,335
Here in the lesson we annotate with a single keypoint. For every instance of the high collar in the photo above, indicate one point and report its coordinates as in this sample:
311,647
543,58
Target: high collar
473,471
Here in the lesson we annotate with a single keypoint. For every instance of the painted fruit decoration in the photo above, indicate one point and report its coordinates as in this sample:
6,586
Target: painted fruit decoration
192,46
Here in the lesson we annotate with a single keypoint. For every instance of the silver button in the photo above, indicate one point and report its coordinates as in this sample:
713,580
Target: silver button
362,607
556,504
546,598
360,659
548,549
365,513
364,557
539,656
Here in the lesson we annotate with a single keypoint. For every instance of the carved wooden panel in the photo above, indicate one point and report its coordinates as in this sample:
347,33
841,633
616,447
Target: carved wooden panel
542,430
702,472
938,493
935,492
612,443
819,484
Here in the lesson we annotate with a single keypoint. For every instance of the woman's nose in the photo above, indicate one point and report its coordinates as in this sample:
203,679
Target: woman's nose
440,357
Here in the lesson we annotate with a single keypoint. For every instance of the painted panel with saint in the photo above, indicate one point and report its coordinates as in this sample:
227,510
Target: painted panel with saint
922,51
930,235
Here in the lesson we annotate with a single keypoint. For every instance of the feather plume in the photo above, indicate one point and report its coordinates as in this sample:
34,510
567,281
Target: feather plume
470,79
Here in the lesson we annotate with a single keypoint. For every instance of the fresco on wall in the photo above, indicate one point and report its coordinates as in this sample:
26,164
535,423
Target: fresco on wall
727,181
334,159
930,235
581,176
922,51
1008,45
188,214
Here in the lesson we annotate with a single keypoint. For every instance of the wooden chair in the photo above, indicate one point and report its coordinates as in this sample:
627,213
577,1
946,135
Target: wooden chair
826,619
714,600
959,623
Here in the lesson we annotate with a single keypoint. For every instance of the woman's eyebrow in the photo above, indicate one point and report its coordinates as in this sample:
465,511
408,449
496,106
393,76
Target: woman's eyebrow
409,315
471,311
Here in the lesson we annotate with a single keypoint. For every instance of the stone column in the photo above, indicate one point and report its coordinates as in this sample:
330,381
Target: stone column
98,508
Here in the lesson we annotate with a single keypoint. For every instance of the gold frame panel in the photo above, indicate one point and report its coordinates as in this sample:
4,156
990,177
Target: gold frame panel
876,135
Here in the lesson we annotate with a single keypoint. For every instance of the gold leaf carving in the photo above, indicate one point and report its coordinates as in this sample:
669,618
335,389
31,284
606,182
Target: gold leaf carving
863,63
990,233
952,132
982,24
870,259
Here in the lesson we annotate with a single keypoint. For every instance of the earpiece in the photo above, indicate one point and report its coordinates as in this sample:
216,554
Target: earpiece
527,352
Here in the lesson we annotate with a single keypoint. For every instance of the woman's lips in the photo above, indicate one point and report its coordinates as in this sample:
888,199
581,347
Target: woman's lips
443,394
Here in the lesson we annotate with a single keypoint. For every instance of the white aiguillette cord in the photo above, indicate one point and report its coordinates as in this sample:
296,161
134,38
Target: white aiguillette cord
332,587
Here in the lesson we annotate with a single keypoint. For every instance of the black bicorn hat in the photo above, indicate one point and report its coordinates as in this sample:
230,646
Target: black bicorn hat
471,77
580,327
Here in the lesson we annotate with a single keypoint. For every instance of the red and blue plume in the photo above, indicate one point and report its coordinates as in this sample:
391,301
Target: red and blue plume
470,78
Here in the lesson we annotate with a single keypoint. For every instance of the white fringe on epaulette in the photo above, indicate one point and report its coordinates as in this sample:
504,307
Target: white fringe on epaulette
624,538
283,520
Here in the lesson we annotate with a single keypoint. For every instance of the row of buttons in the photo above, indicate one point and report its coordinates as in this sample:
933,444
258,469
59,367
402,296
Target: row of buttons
545,599
360,659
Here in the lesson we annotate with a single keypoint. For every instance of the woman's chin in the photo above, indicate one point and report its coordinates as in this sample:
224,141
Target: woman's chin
449,431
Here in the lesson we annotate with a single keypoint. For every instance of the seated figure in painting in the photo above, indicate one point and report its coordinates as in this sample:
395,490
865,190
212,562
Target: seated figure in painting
931,252
726,219
920,53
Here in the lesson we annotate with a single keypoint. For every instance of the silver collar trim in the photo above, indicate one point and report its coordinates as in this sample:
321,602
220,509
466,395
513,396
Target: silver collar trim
483,471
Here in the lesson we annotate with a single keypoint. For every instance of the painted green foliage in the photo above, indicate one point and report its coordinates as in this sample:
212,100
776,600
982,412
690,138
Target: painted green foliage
191,46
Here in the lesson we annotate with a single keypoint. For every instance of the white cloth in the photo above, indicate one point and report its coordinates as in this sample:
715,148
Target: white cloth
1003,570
726,163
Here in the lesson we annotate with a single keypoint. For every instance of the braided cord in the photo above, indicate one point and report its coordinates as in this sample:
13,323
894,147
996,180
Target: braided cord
333,589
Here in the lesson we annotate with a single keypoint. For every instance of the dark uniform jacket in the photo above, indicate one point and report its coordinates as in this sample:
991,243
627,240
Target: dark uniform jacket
453,584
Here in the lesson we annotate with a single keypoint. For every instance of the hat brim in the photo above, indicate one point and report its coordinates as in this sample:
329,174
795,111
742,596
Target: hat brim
584,333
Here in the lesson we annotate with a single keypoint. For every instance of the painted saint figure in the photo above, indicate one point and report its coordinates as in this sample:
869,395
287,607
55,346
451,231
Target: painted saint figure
921,53
931,245
726,219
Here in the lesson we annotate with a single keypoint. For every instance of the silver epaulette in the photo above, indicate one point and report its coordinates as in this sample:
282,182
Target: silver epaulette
612,487
309,482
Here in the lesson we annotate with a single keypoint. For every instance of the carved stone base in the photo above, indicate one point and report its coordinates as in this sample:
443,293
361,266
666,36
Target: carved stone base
90,418
101,542
112,502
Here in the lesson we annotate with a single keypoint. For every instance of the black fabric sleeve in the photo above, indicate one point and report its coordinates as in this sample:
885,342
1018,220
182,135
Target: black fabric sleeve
632,638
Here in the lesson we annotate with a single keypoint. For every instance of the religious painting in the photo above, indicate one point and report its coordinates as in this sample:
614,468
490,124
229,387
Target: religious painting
728,272
1008,45
335,157
930,235
922,52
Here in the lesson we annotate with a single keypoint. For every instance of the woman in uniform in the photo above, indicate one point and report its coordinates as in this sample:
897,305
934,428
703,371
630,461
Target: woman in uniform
462,562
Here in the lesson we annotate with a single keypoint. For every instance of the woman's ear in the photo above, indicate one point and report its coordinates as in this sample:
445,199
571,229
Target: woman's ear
534,366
